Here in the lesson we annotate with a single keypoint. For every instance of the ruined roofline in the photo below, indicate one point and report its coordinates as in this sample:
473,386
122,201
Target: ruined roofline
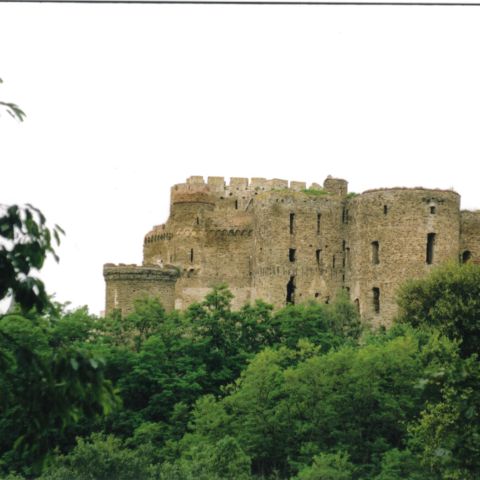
410,189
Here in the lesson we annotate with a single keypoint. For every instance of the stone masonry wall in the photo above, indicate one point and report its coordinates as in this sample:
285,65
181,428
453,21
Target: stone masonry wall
126,283
285,243
396,223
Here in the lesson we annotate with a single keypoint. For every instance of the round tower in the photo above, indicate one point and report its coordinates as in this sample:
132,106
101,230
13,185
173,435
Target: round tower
126,283
395,235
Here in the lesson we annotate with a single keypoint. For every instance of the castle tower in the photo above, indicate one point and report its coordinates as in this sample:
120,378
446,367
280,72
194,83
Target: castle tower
395,235
127,283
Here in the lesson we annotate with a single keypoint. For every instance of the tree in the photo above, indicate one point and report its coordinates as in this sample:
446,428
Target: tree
25,242
328,466
449,300
12,109
102,457
46,383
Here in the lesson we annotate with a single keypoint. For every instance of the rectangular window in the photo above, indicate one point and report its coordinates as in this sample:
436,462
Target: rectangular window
317,256
376,299
191,255
291,254
333,262
344,215
433,210
292,223
430,247
385,209
319,217
375,253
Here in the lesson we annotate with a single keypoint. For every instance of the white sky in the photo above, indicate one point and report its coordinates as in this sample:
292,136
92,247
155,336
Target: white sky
123,101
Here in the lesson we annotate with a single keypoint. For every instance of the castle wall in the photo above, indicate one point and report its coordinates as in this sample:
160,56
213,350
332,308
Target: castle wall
126,283
388,240
470,236
281,242
296,236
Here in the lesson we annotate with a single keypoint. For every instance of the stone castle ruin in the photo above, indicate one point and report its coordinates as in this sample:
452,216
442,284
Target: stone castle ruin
285,243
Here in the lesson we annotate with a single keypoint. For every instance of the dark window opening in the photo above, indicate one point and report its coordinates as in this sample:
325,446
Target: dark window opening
291,254
375,253
236,204
191,255
291,291
344,215
344,261
292,223
376,299
344,245
347,289
317,256
466,256
385,209
317,294
433,210
430,247
333,262
357,304
198,221
319,217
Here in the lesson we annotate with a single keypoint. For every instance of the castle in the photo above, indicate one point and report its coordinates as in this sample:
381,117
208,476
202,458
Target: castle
285,243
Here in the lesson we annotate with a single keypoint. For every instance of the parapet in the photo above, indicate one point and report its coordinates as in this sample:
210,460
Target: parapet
192,192
216,183
195,187
121,272
336,186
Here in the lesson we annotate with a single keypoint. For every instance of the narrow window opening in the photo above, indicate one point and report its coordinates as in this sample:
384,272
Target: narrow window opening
333,262
319,217
385,209
344,215
291,254
317,256
430,247
236,204
191,255
317,294
433,210
292,223
291,291
375,253
466,256
344,261
198,221
344,245
376,299
357,304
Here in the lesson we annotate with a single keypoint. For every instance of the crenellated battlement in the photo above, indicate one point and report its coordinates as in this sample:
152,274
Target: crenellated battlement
219,185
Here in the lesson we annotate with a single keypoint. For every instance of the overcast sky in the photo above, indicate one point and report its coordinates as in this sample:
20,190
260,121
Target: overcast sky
123,101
